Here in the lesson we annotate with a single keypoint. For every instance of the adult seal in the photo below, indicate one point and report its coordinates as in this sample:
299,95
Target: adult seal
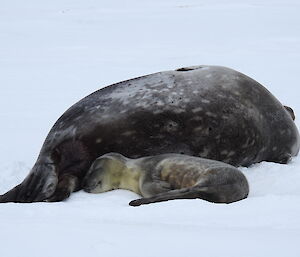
167,177
206,111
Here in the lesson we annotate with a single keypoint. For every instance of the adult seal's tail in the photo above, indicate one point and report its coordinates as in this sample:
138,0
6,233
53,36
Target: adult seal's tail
167,177
207,111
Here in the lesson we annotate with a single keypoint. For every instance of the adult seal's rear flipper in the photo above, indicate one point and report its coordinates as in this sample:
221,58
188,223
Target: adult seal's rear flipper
36,187
11,195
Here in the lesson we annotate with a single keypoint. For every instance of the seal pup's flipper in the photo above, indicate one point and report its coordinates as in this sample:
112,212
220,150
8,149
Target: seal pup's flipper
226,193
185,193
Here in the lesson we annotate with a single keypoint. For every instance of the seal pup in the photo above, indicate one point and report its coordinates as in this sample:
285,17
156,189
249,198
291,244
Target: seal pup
207,111
167,177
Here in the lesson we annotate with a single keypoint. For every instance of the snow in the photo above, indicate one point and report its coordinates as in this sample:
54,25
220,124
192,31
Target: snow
52,53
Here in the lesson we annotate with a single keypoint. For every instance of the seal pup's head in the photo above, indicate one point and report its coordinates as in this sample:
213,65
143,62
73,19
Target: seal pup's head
105,173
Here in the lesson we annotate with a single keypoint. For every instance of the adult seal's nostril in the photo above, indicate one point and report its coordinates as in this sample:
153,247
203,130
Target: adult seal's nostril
290,111
207,111
190,68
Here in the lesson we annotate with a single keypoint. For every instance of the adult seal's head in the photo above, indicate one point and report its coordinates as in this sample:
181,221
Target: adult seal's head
167,177
207,111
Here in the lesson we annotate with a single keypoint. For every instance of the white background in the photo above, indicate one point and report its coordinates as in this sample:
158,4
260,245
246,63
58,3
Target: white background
54,52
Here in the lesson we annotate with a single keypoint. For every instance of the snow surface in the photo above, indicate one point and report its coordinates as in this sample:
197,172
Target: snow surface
54,52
